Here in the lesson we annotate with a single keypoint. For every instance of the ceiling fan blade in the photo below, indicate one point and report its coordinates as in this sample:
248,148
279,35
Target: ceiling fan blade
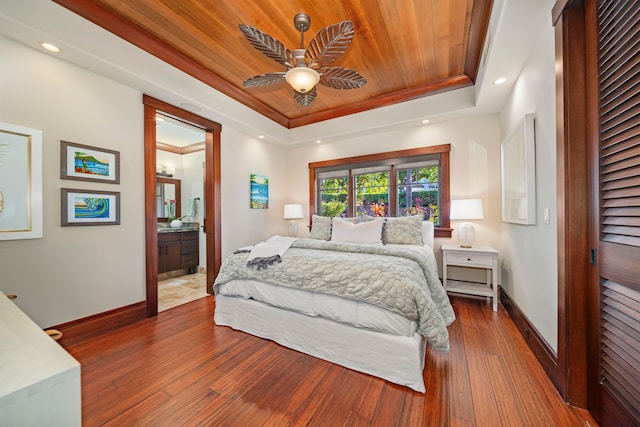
329,43
268,45
305,99
263,80
341,78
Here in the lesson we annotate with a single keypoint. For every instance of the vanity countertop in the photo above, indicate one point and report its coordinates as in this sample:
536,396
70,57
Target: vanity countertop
185,227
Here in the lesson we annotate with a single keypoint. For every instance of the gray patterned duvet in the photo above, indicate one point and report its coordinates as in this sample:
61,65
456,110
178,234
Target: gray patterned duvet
400,279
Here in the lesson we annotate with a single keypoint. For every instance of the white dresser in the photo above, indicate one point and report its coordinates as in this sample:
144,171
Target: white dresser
39,380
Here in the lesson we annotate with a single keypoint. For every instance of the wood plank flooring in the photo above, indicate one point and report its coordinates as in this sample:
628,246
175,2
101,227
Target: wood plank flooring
179,369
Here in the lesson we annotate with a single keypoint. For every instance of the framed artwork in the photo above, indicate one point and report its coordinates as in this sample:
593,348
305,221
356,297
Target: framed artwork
85,207
86,163
518,157
20,176
259,192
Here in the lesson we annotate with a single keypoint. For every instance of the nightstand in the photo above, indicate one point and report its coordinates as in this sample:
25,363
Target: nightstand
484,257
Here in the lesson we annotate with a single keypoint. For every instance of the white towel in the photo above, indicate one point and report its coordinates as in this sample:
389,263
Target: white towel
268,252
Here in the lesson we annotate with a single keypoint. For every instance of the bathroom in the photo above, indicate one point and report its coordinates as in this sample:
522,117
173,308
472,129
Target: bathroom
182,257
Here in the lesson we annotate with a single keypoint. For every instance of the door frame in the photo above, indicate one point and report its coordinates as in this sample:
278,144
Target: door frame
212,199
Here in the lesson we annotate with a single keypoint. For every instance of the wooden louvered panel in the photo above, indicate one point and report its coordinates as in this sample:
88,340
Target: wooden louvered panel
624,83
622,220
621,132
615,146
628,100
621,114
619,34
625,45
620,355
616,202
630,134
624,175
618,54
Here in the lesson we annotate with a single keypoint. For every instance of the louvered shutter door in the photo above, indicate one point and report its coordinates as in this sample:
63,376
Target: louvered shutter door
619,246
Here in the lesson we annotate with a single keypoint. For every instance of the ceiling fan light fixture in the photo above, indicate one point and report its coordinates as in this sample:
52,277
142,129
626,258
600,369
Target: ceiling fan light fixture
302,79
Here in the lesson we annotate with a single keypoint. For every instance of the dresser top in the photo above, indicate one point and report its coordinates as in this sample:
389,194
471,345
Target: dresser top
473,249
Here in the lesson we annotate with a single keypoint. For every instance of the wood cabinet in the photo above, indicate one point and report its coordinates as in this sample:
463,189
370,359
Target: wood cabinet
178,250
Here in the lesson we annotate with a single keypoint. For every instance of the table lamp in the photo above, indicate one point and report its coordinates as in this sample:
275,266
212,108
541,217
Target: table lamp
466,209
293,212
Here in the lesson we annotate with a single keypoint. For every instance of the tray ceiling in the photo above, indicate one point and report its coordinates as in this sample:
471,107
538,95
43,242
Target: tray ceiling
406,49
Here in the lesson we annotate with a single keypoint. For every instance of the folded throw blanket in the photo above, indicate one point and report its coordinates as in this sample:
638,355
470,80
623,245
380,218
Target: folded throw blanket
268,252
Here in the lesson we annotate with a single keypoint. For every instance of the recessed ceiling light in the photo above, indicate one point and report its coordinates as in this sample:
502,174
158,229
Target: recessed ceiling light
425,121
500,81
318,141
261,136
50,47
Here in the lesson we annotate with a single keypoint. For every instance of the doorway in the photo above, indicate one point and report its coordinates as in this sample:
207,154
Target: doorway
210,202
180,165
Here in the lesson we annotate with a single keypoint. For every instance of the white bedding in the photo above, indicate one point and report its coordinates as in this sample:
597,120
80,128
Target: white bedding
358,335
356,313
395,358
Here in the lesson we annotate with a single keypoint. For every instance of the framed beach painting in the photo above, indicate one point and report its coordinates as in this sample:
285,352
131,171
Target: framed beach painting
20,182
85,207
259,192
87,163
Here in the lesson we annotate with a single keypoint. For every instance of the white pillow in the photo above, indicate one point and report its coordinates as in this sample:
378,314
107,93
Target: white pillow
364,232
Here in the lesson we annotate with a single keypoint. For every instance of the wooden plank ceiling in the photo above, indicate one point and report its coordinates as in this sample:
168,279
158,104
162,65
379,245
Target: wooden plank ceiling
405,49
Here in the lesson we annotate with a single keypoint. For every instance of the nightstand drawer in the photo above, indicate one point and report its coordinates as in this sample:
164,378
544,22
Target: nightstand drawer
479,260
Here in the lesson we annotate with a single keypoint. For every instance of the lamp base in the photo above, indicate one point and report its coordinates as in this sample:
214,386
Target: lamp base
293,228
466,235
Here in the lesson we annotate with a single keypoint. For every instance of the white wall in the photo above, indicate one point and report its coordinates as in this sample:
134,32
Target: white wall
475,165
242,156
529,253
75,272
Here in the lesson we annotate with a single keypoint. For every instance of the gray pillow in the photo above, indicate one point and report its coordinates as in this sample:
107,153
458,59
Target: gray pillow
320,227
405,230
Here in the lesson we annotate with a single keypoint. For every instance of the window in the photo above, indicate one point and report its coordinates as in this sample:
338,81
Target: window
397,183
371,190
334,193
419,190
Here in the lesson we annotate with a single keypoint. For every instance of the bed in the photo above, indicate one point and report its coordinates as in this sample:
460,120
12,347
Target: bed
345,298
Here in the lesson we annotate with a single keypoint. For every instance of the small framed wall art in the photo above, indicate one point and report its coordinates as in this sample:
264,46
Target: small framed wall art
259,191
21,206
85,207
87,163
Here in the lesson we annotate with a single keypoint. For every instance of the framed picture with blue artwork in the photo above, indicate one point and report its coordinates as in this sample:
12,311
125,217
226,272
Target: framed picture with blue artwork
87,163
259,192
85,207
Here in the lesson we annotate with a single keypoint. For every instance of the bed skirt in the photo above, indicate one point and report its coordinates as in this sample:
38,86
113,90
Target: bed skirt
397,359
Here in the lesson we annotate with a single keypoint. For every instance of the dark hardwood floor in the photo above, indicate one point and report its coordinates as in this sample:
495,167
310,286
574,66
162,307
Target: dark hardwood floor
179,369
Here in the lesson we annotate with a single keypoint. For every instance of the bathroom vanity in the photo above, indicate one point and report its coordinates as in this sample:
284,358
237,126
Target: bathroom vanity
178,249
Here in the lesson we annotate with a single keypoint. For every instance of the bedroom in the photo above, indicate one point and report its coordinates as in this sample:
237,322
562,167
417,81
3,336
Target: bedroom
102,112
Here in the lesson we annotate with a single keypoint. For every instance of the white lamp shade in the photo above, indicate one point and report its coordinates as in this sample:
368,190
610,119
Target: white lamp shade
466,209
302,79
293,211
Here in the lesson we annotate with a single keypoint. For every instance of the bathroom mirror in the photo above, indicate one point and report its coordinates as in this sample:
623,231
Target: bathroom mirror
168,203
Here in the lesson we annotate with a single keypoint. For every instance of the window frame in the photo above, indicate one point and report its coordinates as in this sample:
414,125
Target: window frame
404,156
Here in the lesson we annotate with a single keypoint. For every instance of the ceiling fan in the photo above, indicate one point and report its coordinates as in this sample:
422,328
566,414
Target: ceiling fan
306,67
